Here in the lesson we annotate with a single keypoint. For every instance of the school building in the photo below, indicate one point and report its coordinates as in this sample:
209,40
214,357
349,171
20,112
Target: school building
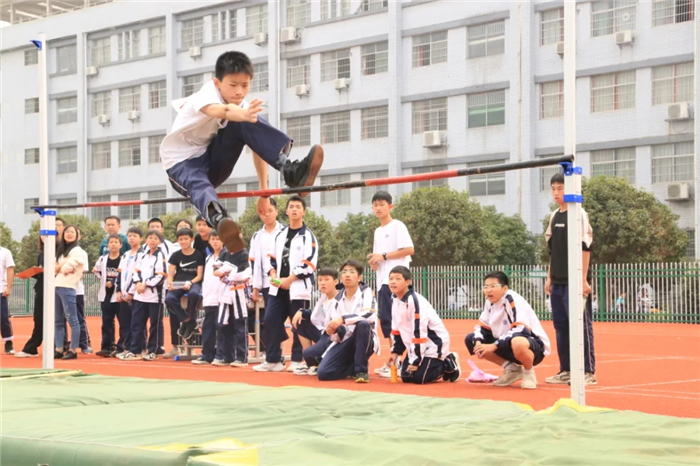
389,88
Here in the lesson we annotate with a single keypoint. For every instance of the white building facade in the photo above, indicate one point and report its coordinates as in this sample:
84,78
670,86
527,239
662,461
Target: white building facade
389,88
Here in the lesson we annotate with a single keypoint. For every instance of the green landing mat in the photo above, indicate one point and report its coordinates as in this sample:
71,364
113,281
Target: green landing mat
96,420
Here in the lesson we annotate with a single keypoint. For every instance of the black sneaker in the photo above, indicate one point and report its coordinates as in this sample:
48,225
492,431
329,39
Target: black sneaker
186,329
303,172
361,377
452,368
70,354
9,348
105,353
58,355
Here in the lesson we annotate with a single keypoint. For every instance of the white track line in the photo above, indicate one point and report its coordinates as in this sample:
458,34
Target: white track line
596,389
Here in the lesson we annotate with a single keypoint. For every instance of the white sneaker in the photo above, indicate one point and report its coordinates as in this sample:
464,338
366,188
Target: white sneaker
150,357
511,374
269,367
219,363
239,364
301,371
384,371
174,351
293,366
200,362
313,370
129,356
22,354
529,381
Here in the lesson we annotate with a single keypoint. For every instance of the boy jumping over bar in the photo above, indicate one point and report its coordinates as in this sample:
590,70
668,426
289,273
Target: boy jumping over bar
208,135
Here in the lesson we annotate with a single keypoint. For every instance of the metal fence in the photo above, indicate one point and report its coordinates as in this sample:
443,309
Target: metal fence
660,292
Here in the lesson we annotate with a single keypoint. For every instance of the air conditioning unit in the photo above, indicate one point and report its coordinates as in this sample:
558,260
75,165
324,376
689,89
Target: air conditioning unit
91,71
678,112
103,119
195,52
288,34
678,192
624,37
341,83
301,90
133,115
432,139
560,48
260,38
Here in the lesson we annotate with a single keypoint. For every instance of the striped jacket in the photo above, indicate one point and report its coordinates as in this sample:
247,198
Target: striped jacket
260,246
417,329
126,271
303,256
100,270
234,299
150,269
364,307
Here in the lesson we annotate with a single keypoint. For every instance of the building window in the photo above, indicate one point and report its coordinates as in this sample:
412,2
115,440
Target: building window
130,152
130,212
297,71
369,191
672,83
552,26
551,100
299,129
609,17
65,202
487,109
429,49
614,162
298,13
252,186
335,65
192,32
487,185
430,183
672,162
101,51
334,8
546,174
375,58
157,210
156,40
154,143
129,99
218,26
31,56
690,250
100,213
429,115
335,198
230,204
672,11
373,5
486,40
128,45
157,95
67,160
191,84
66,59
375,122
29,203
31,105
232,24
31,156
335,127
66,110
611,92
256,19
260,81
101,103
101,155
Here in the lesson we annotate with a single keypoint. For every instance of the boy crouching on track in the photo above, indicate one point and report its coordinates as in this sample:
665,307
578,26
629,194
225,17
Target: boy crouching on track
508,334
418,331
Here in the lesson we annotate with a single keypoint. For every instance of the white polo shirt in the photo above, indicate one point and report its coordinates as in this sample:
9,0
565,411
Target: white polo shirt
389,238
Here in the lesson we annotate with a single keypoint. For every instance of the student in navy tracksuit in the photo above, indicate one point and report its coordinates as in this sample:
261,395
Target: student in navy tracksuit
107,270
352,327
291,265
126,270
212,289
233,309
146,287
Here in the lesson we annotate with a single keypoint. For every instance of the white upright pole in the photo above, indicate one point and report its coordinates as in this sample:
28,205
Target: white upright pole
48,217
573,199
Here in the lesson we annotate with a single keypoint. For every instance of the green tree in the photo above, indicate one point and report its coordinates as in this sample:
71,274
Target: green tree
328,251
354,236
517,246
10,244
169,223
92,235
630,225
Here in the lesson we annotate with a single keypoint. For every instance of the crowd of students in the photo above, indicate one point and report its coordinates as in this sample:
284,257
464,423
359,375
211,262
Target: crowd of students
143,274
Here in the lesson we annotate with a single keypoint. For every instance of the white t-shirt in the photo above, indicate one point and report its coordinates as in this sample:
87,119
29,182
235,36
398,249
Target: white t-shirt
192,130
6,262
390,238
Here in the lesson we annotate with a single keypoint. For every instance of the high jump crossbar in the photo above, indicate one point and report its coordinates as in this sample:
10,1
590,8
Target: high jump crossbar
540,162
